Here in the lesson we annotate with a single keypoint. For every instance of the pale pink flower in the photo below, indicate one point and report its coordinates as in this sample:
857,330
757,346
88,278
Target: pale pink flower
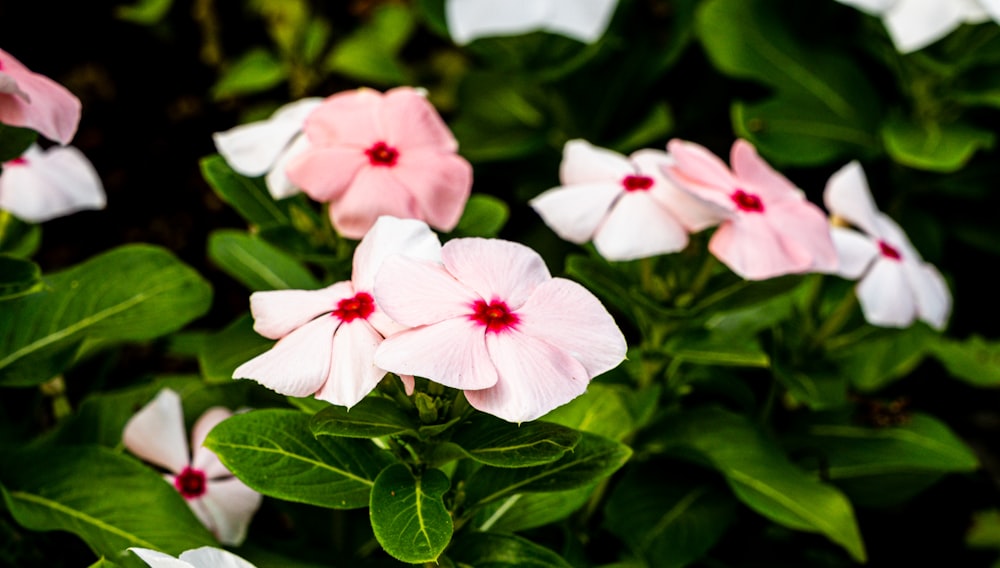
30,100
624,204
373,154
767,227
45,184
327,338
489,319
896,286
204,557
267,146
582,20
220,500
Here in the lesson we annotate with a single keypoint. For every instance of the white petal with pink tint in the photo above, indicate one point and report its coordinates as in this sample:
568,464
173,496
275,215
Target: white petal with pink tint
638,227
749,247
31,100
574,212
693,213
299,363
373,193
762,179
856,252
277,180
253,149
389,236
847,194
277,313
408,120
495,268
933,298
451,352
439,182
49,184
157,559
208,557
202,458
353,373
156,432
583,20
584,163
886,297
418,292
226,509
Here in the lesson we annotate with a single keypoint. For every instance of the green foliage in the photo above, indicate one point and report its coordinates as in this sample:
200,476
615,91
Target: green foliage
370,53
370,418
492,550
494,442
408,514
257,264
975,360
18,277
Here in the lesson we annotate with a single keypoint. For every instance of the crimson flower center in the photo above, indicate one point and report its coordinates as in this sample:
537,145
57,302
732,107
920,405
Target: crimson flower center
637,183
381,154
495,316
19,161
889,251
360,306
747,201
191,483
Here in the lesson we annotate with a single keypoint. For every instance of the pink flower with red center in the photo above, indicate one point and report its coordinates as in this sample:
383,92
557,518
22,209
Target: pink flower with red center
220,500
327,338
897,286
30,100
373,154
44,184
625,205
767,228
489,319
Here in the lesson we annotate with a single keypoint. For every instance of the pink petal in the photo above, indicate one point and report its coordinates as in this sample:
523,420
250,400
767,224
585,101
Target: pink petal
49,184
208,557
584,163
389,236
277,313
49,108
156,433
495,268
701,173
347,118
298,364
418,292
574,212
932,295
253,149
758,177
374,192
855,251
408,384
534,378
203,458
410,122
751,248
226,509
805,233
693,213
885,296
353,373
439,184
325,173
847,196
639,227
452,353
566,315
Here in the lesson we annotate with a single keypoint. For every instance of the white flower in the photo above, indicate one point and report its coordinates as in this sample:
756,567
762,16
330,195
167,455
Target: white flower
896,286
266,146
41,185
583,20
204,557
915,24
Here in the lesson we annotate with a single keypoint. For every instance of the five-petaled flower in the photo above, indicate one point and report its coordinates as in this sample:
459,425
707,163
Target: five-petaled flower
767,228
373,154
915,24
44,184
583,20
327,338
624,204
491,320
220,500
896,285
204,557
30,100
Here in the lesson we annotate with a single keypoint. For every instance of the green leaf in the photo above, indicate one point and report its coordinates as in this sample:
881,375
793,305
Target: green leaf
255,71
145,12
484,216
761,475
223,351
18,277
248,196
649,131
880,359
492,550
132,293
605,410
496,442
408,513
18,238
717,349
525,511
593,459
936,147
14,141
975,360
257,264
370,418
93,492
369,53
274,452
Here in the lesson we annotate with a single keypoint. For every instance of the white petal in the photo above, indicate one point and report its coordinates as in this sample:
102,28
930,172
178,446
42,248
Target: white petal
419,292
209,557
583,162
278,184
639,227
915,24
252,149
847,195
299,363
353,373
53,183
873,7
203,458
452,353
472,19
389,236
228,506
885,295
156,432
693,213
855,251
933,296
574,212
992,7
495,268
583,20
156,559
277,313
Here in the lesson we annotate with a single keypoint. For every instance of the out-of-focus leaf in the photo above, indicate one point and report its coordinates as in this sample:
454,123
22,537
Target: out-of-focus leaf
502,117
18,238
494,550
653,127
879,360
975,360
938,147
484,216
248,196
257,70
257,264
985,530
408,513
717,349
605,410
18,277
145,12
14,141
221,352
369,53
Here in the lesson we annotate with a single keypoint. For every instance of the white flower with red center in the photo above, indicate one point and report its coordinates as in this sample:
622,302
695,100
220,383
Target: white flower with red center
915,24
489,319
767,227
43,184
625,205
204,557
220,500
267,146
897,286
373,154
582,20
327,338
30,100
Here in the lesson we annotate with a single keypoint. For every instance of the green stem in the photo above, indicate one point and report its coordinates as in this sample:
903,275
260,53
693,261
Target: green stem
835,321
5,218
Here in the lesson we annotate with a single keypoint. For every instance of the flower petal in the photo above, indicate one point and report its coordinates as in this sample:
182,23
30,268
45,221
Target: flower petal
693,213
156,432
156,559
452,353
418,292
348,118
575,211
41,104
886,298
583,20
847,196
701,173
804,231
326,173
439,183
353,373
277,313
410,122
495,268
278,184
203,458
751,248
915,24
758,177
932,295
471,19
639,227
298,364
374,192
227,508
389,236
584,163
855,251
50,184
209,557
253,149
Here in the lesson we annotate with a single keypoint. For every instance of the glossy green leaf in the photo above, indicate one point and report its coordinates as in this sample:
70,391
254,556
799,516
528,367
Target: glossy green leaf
937,147
18,277
145,12
369,53
255,71
606,410
494,550
257,264
370,418
499,443
14,141
883,357
484,216
717,349
974,360
220,353
274,452
408,513
525,511
248,196
132,293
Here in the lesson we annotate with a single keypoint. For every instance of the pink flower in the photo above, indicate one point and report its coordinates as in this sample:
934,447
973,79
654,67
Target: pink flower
30,100
896,286
625,205
220,501
491,320
375,154
767,228
327,338
41,185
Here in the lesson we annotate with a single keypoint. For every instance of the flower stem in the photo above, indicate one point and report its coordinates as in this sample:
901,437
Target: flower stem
835,321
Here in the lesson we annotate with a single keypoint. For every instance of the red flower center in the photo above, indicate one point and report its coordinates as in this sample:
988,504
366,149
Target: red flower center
889,251
360,306
190,483
747,201
20,161
496,316
381,154
637,183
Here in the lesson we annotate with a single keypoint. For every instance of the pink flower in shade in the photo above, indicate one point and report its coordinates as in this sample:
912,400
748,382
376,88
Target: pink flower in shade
767,227
896,286
44,184
221,501
375,154
489,319
30,100
327,338
625,205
